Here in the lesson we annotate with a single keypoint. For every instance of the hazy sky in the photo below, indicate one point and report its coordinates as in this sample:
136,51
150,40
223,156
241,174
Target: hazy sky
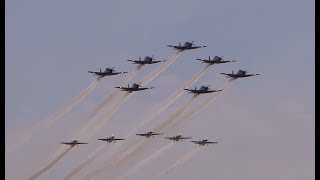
264,124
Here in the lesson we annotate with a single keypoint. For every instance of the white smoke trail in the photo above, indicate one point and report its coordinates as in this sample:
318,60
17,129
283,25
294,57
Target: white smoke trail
118,159
138,147
180,162
114,92
156,72
50,164
91,157
198,109
172,98
173,116
153,75
90,131
26,135
153,157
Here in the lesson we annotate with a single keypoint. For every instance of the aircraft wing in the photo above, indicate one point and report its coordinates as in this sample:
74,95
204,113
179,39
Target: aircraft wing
226,74
186,137
145,88
80,143
196,47
137,61
120,72
157,133
141,134
210,91
118,139
171,138
102,139
170,46
191,90
153,62
208,142
196,142
202,60
67,143
123,88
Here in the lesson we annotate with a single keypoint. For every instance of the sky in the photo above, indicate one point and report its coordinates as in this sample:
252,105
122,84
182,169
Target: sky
264,124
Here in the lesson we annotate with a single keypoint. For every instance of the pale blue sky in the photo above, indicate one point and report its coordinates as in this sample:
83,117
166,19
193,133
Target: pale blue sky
265,124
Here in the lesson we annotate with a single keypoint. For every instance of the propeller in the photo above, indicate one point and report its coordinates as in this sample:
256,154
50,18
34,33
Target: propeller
139,58
209,58
100,69
179,44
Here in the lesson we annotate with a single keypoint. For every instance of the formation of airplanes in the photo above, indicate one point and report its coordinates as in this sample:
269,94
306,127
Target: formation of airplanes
149,134
204,89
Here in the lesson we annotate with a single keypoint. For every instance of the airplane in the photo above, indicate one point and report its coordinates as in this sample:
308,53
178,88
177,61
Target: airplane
215,60
73,143
149,134
239,74
107,72
146,60
186,46
134,87
203,142
178,138
203,89
111,139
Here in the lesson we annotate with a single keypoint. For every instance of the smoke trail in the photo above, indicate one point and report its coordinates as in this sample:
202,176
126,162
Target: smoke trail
201,106
91,157
153,157
118,159
78,99
138,147
164,66
50,164
173,116
114,92
172,98
24,137
179,162
105,118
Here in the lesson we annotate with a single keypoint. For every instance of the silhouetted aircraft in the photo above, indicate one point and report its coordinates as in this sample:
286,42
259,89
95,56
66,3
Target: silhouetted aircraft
146,60
215,60
73,143
134,87
149,134
178,137
107,72
203,142
239,74
186,46
111,139
203,89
